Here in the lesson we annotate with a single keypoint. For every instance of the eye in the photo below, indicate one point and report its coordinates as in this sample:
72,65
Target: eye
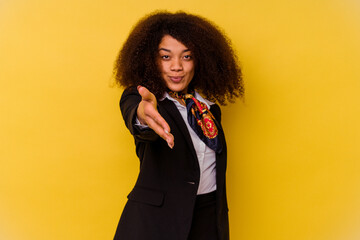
187,57
165,57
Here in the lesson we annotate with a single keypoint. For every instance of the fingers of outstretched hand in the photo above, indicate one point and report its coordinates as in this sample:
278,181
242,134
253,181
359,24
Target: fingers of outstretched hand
161,131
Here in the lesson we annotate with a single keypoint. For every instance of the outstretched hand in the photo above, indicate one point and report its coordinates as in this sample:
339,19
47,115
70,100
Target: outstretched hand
148,114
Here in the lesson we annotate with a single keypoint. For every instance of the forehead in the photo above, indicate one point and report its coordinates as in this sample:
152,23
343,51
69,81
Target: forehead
170,43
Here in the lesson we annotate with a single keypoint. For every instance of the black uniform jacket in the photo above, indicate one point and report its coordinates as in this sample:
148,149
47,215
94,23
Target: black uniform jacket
160,206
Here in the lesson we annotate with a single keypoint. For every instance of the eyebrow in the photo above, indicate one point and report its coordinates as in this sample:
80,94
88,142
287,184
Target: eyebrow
168,50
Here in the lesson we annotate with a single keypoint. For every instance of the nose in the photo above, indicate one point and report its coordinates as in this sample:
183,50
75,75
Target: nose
176,65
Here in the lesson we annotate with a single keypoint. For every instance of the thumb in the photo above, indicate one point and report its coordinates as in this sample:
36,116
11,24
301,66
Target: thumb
146,94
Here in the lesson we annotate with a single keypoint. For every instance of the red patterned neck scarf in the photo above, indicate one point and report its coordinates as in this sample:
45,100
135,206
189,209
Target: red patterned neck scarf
201,120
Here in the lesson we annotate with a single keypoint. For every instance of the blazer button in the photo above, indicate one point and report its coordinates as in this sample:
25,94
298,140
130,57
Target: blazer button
192,183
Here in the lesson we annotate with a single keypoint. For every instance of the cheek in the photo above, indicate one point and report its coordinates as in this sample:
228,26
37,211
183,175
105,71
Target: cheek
191,69
163,67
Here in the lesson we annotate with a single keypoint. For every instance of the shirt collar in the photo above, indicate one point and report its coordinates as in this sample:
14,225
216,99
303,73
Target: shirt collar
196,95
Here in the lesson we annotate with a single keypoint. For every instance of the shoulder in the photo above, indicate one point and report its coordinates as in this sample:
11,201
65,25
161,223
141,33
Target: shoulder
130,92
216,111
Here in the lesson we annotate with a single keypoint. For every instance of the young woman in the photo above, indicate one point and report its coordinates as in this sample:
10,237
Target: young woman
174,68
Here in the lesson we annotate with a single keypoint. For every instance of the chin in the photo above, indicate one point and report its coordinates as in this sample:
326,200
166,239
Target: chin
176,89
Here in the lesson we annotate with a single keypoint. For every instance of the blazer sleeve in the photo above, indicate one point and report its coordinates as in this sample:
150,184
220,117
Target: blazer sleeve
129,103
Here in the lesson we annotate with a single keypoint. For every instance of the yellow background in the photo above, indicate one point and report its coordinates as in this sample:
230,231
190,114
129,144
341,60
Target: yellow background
67,161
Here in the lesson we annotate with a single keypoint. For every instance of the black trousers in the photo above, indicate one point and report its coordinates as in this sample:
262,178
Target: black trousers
203,226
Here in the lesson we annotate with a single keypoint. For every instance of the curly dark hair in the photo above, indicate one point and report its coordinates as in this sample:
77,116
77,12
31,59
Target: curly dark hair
217,73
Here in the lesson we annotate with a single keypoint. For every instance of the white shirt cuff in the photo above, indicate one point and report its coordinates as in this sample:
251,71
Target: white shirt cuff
141,126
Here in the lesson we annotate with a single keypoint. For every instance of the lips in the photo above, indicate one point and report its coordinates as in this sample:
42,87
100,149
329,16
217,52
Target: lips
176,79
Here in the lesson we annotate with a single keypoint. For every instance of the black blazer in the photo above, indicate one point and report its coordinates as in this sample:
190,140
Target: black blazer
160,206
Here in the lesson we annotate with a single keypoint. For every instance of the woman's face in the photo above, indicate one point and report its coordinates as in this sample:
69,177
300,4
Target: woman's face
176,64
